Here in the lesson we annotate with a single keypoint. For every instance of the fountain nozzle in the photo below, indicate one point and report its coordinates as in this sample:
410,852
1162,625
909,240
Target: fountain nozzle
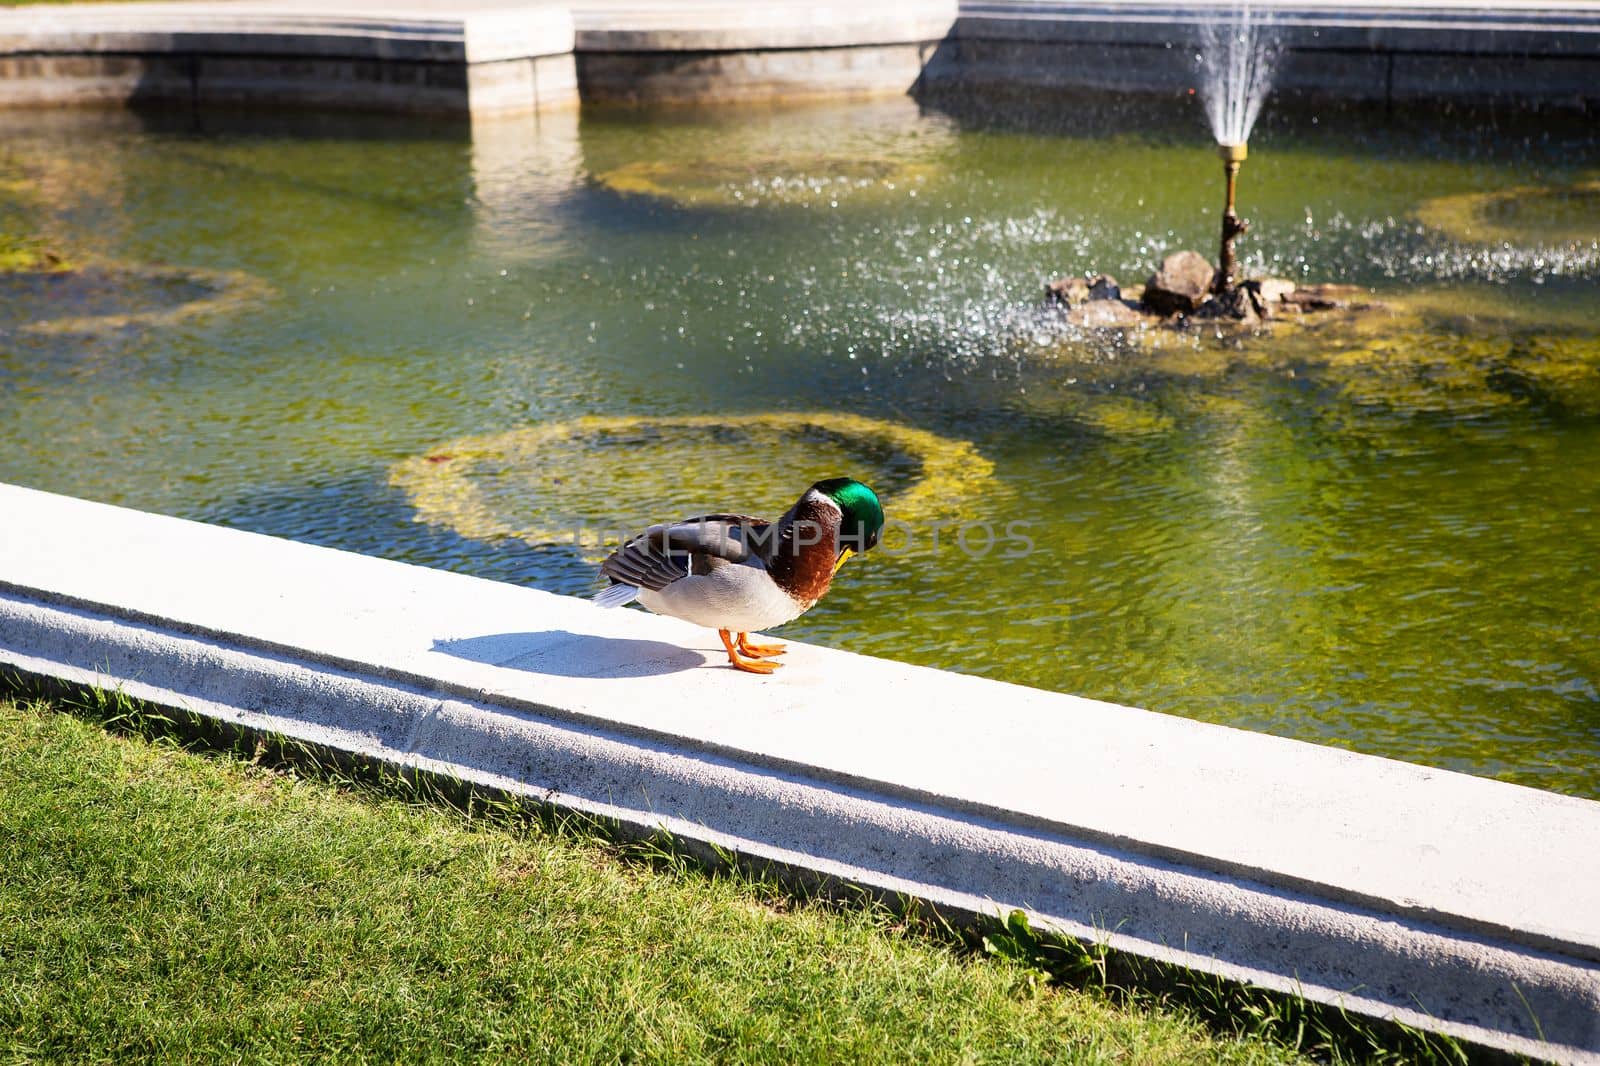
1232,225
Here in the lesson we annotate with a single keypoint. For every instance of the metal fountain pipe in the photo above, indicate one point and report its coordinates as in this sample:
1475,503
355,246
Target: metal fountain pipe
1232,225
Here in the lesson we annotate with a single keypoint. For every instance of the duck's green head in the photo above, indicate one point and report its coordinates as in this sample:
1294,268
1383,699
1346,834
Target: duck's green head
863,514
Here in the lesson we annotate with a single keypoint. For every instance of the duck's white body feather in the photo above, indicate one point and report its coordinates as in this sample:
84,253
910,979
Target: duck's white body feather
742,598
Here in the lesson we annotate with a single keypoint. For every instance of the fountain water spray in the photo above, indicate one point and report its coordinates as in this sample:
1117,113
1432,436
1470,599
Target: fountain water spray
1238,58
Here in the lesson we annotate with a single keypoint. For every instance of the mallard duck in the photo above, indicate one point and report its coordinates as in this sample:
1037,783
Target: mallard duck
740,575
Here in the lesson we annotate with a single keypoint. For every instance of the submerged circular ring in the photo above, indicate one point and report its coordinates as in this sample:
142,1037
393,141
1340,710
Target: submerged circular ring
751,182
1469,217
222,291
444,492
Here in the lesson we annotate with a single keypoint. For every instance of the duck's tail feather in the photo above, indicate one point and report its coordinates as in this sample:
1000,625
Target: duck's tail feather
616,595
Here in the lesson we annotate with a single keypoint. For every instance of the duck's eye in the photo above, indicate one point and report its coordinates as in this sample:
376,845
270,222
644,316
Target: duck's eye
858,540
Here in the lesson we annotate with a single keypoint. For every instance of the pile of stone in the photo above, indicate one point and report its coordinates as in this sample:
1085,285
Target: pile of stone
1182,293
1093,301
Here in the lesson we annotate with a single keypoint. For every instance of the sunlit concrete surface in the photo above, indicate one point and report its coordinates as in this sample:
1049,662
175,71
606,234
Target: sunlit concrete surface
1445,901
489,56
1521,53
400,55
475,57
641,51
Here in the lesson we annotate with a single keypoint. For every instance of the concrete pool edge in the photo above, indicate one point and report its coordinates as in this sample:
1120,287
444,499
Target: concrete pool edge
1427,53
483,58
497,56
354,55
429,670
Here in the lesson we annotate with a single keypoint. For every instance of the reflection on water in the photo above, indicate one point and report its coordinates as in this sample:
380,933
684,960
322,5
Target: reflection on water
1379,537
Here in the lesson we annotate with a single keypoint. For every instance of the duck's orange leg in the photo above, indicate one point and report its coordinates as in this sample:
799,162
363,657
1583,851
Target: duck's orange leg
758,651
754,666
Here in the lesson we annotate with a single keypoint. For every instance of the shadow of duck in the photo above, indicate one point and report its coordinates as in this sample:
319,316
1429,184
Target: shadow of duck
559,653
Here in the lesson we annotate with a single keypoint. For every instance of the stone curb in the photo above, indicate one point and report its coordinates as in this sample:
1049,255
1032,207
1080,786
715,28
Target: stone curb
228,651
759,27
476,36
505,55
1532,53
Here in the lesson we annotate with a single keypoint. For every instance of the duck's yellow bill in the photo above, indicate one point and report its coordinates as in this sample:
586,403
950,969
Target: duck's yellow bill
843,555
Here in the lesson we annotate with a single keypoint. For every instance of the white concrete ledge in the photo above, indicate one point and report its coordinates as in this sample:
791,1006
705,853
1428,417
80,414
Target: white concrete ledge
343,29
640,51
411,55
1443,901
434,56
1530,53
721,26
508,55
1439,26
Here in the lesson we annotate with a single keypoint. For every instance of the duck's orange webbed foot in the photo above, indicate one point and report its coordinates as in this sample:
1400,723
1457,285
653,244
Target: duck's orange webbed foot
758,651
752,665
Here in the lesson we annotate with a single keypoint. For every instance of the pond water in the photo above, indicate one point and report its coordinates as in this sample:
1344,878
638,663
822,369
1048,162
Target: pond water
1377,535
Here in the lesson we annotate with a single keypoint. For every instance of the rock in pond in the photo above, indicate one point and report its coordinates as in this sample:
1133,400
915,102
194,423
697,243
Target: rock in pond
1070,292
1105,314
1325,297
1273,290
1180,285
1238,304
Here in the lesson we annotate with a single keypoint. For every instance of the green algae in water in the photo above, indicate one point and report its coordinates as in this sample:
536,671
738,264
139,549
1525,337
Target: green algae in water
1382,540
1417,352
753,182
92,293
100,297
1529,215
45,290
777,159
593,482
30,255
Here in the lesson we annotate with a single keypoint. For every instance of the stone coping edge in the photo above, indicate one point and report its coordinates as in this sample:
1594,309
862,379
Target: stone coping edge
765,27
296,55
116,29
1211,865
1486,993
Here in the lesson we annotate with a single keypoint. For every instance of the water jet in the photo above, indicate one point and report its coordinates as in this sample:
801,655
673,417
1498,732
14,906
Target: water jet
1239,59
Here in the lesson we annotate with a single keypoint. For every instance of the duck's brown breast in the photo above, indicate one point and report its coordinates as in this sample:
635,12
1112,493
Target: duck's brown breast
802,561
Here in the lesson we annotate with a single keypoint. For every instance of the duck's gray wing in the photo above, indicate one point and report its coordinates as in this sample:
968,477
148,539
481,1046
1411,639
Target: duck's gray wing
662,554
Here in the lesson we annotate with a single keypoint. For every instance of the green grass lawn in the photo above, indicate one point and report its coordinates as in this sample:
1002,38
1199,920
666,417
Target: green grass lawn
166,905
